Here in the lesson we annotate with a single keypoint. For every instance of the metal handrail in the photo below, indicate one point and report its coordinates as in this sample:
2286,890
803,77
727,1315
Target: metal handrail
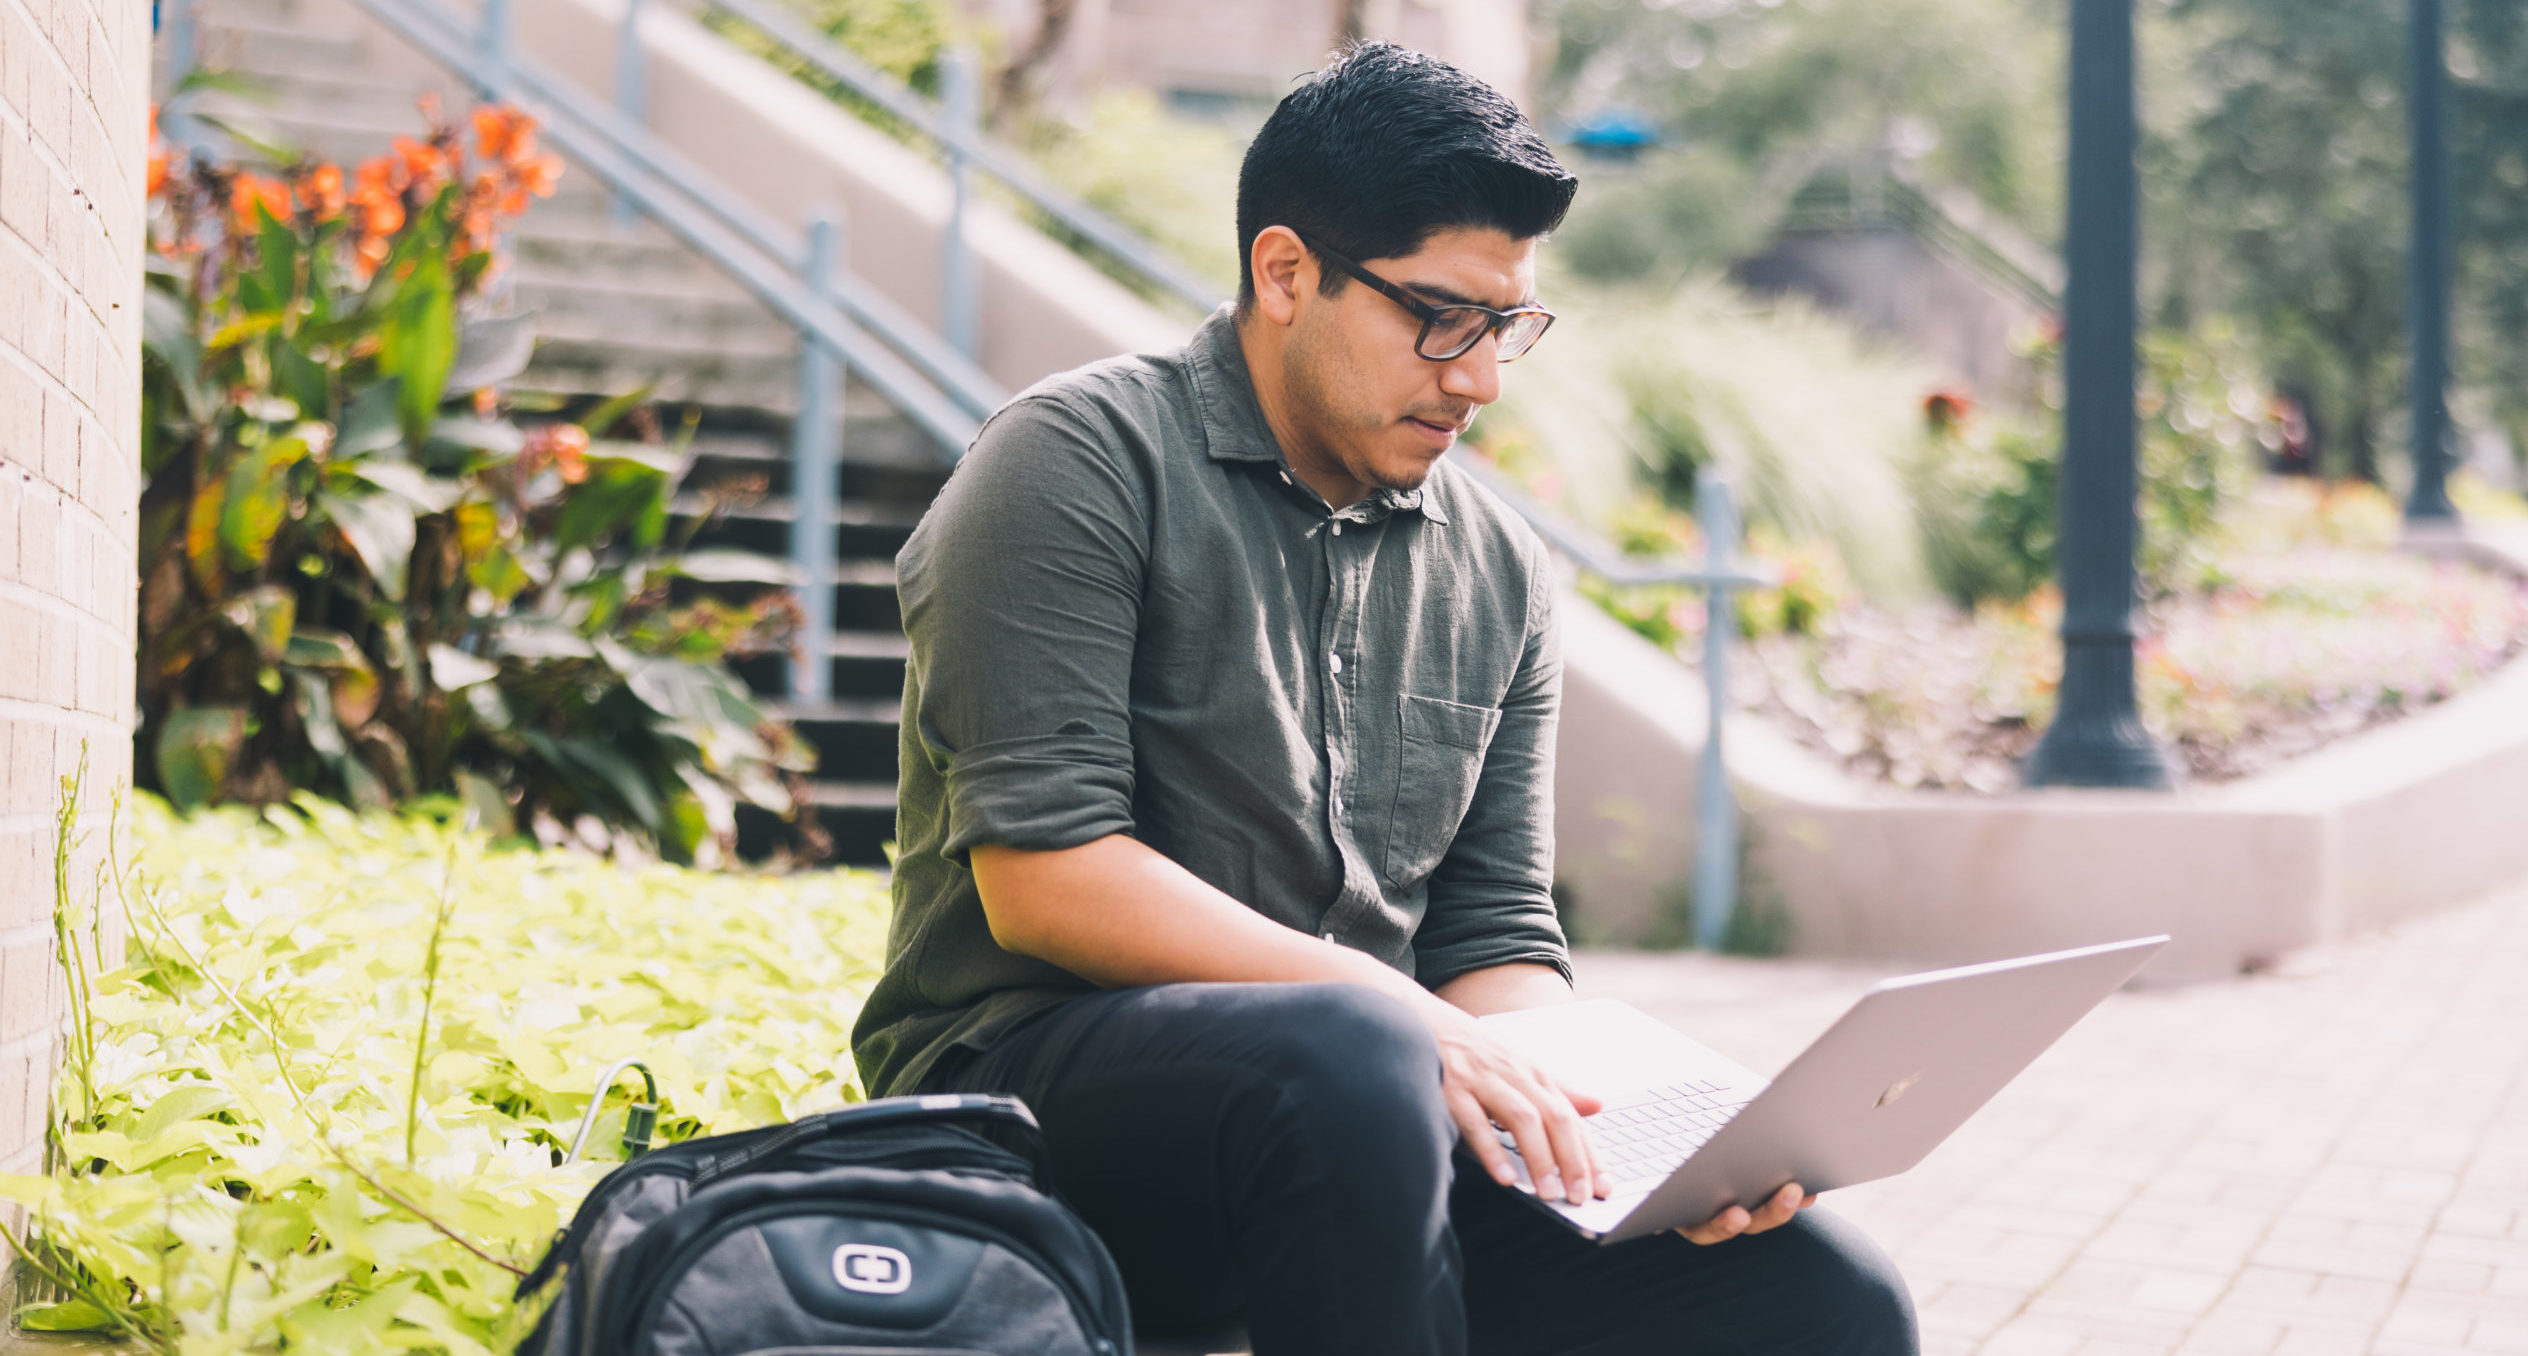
941,391
962,139
1720,574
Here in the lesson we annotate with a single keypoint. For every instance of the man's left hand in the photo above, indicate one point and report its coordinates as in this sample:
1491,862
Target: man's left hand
1737,1219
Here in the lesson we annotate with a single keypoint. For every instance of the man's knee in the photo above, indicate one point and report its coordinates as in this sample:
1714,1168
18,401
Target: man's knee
1858,1292
1353,1063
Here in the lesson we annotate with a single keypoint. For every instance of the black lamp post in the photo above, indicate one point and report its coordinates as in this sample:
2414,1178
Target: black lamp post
2427,122
2097,737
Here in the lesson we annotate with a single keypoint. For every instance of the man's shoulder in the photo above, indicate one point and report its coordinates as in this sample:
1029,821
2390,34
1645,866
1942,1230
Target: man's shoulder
1481,519
1126,393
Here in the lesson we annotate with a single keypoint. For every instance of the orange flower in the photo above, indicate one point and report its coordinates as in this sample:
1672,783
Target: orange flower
538,176
320,192
378,191
1947,409
253,191
565,445
369,253
425,165
502,132
157,156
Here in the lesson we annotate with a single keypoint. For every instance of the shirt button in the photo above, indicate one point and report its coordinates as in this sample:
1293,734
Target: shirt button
1328,934
1285,477
1334,662
1338,529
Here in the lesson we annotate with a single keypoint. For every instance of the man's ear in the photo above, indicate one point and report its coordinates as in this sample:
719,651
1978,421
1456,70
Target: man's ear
1281,267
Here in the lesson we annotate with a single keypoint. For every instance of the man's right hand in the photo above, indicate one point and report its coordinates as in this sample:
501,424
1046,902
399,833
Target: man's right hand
1487,1084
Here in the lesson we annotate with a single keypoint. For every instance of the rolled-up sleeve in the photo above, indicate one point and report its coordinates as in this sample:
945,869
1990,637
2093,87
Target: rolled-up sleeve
1021,595
1491,899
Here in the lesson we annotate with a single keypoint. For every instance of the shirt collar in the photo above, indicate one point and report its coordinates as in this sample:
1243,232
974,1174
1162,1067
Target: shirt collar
1233,422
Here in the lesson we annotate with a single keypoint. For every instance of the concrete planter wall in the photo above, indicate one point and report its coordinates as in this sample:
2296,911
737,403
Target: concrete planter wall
2408,817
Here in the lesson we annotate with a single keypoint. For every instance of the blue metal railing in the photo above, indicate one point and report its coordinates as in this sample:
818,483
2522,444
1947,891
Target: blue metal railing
1721,574
953,125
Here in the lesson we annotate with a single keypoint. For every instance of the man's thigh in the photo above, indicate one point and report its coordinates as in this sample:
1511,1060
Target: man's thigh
1209,1132
1815,1285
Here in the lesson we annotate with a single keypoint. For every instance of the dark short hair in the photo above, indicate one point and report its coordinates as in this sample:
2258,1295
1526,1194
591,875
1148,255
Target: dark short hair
1384,147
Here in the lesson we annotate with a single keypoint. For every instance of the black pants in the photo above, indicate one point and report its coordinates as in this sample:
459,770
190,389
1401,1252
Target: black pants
1281,1153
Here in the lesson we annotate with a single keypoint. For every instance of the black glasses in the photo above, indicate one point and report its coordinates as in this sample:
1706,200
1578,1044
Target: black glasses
1448,331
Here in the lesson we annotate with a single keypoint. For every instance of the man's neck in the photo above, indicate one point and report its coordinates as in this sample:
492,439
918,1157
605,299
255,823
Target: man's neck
1316,468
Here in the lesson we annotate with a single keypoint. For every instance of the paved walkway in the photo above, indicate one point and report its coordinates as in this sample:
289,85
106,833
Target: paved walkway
2333,1158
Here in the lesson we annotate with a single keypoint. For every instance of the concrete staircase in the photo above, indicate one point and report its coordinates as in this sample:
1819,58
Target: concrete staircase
619,305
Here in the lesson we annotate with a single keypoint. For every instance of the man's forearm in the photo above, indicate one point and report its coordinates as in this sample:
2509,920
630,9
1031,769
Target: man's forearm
1507,988
1119,914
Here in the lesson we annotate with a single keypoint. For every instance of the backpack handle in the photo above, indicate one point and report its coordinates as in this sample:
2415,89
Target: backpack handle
942,1108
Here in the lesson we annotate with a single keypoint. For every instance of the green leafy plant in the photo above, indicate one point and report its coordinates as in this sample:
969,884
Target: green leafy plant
353,586
282,1130
1986,492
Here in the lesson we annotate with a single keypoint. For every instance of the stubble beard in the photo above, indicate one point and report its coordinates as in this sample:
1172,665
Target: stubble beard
1316,395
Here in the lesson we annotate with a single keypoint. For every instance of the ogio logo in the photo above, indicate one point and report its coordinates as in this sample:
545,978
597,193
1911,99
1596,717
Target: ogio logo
871,1269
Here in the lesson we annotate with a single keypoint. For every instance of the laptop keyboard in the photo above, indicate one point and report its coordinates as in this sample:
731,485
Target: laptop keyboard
1641,1140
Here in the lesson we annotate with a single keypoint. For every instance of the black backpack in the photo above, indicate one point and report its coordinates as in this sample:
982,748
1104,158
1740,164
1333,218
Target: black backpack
890,1227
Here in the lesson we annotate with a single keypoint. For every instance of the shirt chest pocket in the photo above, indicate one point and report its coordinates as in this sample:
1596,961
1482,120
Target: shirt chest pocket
1437,765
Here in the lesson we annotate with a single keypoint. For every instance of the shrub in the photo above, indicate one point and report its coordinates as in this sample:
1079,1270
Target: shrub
323,1105
1986,493
347,587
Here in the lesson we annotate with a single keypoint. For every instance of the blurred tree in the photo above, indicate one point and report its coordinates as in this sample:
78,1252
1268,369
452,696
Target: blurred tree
1754,96
2278,169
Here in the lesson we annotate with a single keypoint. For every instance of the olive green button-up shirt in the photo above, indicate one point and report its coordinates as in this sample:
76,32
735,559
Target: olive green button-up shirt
1128,616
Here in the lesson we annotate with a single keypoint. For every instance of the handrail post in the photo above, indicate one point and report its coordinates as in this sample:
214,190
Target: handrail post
959,92
631,93
814,439
1715,808
491,43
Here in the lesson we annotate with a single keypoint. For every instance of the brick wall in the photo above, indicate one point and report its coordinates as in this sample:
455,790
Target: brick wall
74,92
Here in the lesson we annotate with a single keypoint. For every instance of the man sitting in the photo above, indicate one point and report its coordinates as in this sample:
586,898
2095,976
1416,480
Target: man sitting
1226,793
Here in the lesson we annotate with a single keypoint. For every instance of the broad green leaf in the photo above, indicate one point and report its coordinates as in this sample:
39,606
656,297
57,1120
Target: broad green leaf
425,492
67,1316
726,566
304,380
201,534
167,337
318,648
452,669
257,501
537,638
379,527
491,350
597,768
616,495
497,438
368,421
184,1102
417,343
195,747
267,615
238,331
601,421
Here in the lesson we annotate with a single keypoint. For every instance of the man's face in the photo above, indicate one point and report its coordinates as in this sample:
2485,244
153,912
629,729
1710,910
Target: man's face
1365,402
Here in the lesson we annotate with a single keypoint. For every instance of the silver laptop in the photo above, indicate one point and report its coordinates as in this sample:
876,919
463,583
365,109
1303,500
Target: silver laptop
1687,1132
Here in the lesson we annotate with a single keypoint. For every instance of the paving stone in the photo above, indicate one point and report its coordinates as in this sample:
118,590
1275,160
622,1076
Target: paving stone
2332,1158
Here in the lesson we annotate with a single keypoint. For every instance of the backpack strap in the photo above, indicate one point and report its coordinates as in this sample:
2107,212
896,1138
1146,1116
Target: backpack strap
945,1108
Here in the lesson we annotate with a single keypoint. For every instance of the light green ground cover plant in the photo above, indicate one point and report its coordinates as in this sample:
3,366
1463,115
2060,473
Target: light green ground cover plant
319,1103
